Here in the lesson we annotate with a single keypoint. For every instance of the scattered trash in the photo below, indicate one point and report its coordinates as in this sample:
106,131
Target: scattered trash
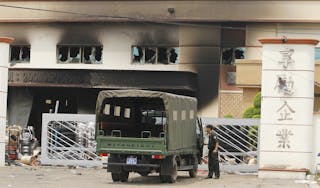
75,172
305,182
21,147
28,142
12,142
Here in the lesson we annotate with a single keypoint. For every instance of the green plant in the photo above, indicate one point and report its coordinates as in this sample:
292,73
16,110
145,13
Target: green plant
257,101
249,112
253,112
228,116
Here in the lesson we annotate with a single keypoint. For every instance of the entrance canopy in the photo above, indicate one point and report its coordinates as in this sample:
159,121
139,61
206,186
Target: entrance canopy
104,79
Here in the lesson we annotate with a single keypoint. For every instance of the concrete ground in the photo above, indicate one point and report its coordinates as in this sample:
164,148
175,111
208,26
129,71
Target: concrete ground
63,177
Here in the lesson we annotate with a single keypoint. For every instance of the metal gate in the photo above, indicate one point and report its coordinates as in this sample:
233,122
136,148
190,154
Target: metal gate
238,151
69,139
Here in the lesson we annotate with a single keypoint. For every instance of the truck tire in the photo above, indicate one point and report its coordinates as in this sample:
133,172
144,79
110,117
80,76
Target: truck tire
115,177
123,176
193,173
172,176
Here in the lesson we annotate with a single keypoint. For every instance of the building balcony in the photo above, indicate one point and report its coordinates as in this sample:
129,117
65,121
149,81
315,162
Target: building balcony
249,73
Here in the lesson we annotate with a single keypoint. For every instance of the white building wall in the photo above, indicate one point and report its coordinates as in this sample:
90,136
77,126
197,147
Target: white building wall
4,49
116,40
256,31
199,49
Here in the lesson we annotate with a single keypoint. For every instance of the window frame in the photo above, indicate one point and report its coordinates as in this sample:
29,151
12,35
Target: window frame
81,51
233,57
20,46
144,47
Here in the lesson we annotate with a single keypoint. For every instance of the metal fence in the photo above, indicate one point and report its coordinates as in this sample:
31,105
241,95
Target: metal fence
238,151
68,139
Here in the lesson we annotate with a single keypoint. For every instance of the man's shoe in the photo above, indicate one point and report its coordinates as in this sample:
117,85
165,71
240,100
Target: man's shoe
217,177
208,177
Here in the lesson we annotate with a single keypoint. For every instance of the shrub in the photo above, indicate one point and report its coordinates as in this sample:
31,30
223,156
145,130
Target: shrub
257,101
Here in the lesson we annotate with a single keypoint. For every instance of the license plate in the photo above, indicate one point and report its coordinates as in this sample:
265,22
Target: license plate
132,160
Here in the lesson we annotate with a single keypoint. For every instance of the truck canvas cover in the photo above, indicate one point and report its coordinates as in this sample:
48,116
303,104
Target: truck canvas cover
181,115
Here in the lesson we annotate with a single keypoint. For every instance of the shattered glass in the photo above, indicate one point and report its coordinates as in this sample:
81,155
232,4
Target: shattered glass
75,55
154,55
137,54
150,55
25,54
63,54
98,55
163,55
174,55
15,53
93,55
20,54
229,55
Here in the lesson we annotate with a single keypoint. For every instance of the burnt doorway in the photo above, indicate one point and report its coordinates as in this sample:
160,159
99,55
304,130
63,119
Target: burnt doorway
51,100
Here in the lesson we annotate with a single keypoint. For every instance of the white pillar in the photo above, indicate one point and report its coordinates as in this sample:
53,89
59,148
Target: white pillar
286,108
4,59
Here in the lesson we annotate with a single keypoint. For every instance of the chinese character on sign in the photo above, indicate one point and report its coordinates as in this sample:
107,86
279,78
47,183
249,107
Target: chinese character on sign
286,57
285,112
284,84
283,136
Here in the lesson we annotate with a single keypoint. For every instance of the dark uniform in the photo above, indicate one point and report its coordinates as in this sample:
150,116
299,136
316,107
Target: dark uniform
213,157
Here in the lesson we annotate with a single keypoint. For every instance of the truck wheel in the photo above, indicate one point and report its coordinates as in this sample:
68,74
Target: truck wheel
172,178
193,173
123,176
115,177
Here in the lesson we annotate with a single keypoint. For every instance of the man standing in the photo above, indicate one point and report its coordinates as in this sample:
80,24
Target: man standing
213,146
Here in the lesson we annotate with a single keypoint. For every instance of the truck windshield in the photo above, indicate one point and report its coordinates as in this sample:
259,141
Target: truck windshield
132,117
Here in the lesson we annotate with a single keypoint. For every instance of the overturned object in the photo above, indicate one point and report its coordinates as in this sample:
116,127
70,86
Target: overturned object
28,141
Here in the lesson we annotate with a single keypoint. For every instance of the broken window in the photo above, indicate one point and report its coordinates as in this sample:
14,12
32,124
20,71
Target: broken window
229,55
150,55
79,54
137,54
173,55
163,55
20,54
155,55
92,55
75,55
63,54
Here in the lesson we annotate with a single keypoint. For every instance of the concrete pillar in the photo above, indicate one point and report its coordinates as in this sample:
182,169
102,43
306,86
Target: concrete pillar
286,108
4,62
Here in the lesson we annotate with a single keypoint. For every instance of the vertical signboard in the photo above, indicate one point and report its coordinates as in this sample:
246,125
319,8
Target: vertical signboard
286,107
4,63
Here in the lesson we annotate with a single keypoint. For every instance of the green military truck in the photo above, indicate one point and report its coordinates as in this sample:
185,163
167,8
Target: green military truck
148,131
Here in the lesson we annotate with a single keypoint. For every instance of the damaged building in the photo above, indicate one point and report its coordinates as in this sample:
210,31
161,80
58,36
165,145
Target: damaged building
61,67
60,61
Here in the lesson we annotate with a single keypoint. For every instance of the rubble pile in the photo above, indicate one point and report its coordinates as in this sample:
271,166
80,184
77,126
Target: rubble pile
21,146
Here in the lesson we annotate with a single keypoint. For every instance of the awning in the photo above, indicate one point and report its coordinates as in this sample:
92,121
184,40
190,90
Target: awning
104,79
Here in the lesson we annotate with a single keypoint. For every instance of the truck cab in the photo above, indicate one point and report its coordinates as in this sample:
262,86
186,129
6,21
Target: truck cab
148,131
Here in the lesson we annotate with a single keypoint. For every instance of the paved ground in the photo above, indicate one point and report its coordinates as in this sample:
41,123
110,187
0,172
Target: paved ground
62,177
